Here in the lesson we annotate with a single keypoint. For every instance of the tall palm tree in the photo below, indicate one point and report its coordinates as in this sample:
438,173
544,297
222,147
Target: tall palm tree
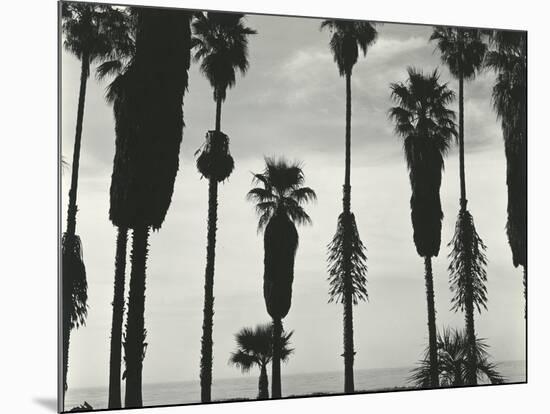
117,66
221,45
463,51
92,33
149,125
422,118
508,58
255,347
452,356
346,256
279,204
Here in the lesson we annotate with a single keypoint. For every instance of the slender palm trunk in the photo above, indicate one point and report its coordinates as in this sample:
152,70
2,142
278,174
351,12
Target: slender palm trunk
72,208
276,361
463,200
118,314
263,384
432,334
208,310
135,326
71,211
349,353
471,371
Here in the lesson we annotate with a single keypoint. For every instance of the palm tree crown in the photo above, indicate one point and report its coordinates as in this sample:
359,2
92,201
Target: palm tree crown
95,32
462,50
348,36
282,192
423,119
452,357
255,347
220,41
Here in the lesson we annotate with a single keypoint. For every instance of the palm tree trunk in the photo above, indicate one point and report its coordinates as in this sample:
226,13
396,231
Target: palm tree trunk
118,314
263,384
135,326
71,212
349,353
208,310
66,341
525,288
432,333
276,361
471,371
463,200
72,208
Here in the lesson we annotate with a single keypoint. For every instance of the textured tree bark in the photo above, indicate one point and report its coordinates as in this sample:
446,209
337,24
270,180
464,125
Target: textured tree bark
66,341
135,325
471,372
276,361
432,332
263,384
208,311
118,314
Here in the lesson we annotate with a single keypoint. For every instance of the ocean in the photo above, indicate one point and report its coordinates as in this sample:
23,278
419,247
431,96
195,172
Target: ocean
246,386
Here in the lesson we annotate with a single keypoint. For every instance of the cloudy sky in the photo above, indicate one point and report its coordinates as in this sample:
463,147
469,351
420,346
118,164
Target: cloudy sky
292,103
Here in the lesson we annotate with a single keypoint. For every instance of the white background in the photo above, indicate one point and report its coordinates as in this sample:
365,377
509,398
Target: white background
28,206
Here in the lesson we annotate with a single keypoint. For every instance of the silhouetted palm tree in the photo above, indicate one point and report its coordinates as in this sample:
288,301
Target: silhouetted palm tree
463,51
149,124
422,118
453,362
92,33
221,45
255,347
116,66
346,256
508,59
279,205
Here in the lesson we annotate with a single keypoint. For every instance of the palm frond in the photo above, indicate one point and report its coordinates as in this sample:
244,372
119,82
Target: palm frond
75,285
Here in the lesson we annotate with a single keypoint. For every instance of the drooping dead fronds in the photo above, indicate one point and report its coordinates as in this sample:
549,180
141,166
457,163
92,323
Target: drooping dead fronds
468,263
215,161
347,237
75,285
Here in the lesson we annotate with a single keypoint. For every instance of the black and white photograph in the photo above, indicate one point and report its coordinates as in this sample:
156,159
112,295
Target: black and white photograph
257,206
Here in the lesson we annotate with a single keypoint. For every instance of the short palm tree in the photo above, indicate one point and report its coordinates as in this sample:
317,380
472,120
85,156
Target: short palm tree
279,204
149,125
463,51
422,118
92,33
220,43
255,348
508,59
453,362
346,252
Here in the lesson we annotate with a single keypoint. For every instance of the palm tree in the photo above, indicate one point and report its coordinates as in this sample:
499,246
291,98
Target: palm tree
148,125
508,59
221,45
346,252
92,33
117,66
255,347
423,120
279,203
452,356
463,51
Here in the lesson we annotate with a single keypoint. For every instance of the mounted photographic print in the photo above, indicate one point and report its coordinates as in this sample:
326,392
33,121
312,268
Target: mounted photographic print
259,207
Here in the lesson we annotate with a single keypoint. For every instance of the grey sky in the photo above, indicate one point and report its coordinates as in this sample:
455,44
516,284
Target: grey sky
292,103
